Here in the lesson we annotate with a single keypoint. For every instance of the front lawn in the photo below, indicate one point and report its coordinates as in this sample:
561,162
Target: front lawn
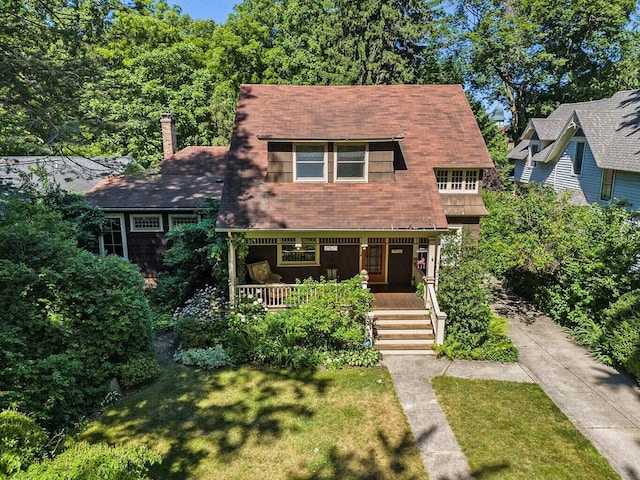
251,423
513,430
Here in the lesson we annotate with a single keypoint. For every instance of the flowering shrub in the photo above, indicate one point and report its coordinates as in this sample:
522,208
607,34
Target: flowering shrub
201,322
208,358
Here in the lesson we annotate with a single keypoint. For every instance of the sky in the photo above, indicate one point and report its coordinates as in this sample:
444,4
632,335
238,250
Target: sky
216,10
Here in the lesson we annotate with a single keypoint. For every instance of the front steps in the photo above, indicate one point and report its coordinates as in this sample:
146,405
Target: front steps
403,332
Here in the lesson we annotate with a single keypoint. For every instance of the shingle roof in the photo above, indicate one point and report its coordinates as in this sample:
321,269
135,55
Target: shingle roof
73,173
436,126
182,182
611,126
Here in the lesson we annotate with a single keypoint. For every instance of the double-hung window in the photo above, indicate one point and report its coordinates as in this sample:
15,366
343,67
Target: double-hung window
310,163
351,162
578,157
606,188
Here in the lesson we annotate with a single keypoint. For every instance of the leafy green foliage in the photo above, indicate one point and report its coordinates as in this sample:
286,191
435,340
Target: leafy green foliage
85,462
207,358
621,333
138,371
197,257
72,317
365,357
22,442
202,321
573,262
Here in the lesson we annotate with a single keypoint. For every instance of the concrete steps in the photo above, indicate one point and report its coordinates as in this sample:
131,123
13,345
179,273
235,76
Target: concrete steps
406,332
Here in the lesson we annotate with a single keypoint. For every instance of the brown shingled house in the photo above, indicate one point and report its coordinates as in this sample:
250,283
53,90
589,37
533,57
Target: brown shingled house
141,209
331,180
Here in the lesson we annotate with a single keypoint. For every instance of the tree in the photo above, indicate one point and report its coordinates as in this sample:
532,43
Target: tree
535,54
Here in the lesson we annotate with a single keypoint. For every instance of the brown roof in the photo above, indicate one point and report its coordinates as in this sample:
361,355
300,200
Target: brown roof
181,182
434,125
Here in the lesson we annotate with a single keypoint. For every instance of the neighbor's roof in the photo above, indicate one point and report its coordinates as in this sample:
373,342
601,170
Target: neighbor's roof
611,127
433,124
72,173
181,182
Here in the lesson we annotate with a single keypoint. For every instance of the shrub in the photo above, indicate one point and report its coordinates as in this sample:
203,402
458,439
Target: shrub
366,357
138,371
621,336
207,358
201,322
87,462
22,442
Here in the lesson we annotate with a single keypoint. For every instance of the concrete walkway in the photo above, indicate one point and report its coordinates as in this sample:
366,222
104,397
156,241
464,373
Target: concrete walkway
603,403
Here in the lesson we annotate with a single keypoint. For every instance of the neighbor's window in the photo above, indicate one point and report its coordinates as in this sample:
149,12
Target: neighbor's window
113,240
177,220
457,181
298,251
578,157
146,223
310,162
606,189
351,162
534,148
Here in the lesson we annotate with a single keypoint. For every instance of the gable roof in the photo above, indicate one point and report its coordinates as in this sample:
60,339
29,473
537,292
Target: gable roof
182,182
72,173
433,125
611,127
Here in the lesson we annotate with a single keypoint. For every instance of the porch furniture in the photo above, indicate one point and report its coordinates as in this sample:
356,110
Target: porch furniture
260,272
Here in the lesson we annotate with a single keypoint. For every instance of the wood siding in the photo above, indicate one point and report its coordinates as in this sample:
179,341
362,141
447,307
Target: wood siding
146,248
280,164
586,186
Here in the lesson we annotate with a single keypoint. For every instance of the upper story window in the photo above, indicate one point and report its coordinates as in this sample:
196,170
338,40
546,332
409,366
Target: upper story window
534,148
351,162
606,188
310,162
578,157
146,223
457,181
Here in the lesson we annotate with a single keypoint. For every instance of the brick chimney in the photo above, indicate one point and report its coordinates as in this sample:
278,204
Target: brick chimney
169,142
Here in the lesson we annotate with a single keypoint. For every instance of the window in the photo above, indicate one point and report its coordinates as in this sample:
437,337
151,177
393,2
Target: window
298,251
113,240
146,223
351,161
606,189
577,158
534,148
309,162
457,181
177,220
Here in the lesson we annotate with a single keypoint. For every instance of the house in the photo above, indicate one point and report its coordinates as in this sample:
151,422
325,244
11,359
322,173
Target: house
71,173
141,209
591,149
333,180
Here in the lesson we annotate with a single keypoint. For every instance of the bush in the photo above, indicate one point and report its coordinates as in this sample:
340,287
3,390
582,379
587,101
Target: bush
88,462
22,442
138,371
201,322
207,358
366,357
621,336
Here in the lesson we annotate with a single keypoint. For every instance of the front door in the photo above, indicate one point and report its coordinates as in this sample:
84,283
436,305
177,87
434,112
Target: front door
374,259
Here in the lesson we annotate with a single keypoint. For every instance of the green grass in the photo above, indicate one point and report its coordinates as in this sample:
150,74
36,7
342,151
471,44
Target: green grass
513,430
251,423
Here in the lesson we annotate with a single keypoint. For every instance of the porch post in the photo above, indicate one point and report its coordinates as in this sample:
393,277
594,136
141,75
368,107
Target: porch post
432,260
232,269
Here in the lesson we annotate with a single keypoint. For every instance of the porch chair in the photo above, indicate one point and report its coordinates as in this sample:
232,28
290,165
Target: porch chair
260,272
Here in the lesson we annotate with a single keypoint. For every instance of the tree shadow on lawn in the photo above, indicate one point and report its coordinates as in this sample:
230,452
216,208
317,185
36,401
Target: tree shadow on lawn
190,415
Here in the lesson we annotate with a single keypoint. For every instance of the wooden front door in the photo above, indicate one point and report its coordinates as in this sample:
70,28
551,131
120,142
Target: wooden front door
374,261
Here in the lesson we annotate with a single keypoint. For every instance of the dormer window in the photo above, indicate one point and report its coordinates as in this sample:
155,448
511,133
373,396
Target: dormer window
578,157
351,162
534,148
457,181
310,162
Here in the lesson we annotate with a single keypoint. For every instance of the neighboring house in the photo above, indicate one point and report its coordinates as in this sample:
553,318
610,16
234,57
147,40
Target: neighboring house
591,149
141,209
331,180
72,173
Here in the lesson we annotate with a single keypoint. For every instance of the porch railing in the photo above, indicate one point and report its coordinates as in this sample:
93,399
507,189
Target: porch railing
438,317
273,295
